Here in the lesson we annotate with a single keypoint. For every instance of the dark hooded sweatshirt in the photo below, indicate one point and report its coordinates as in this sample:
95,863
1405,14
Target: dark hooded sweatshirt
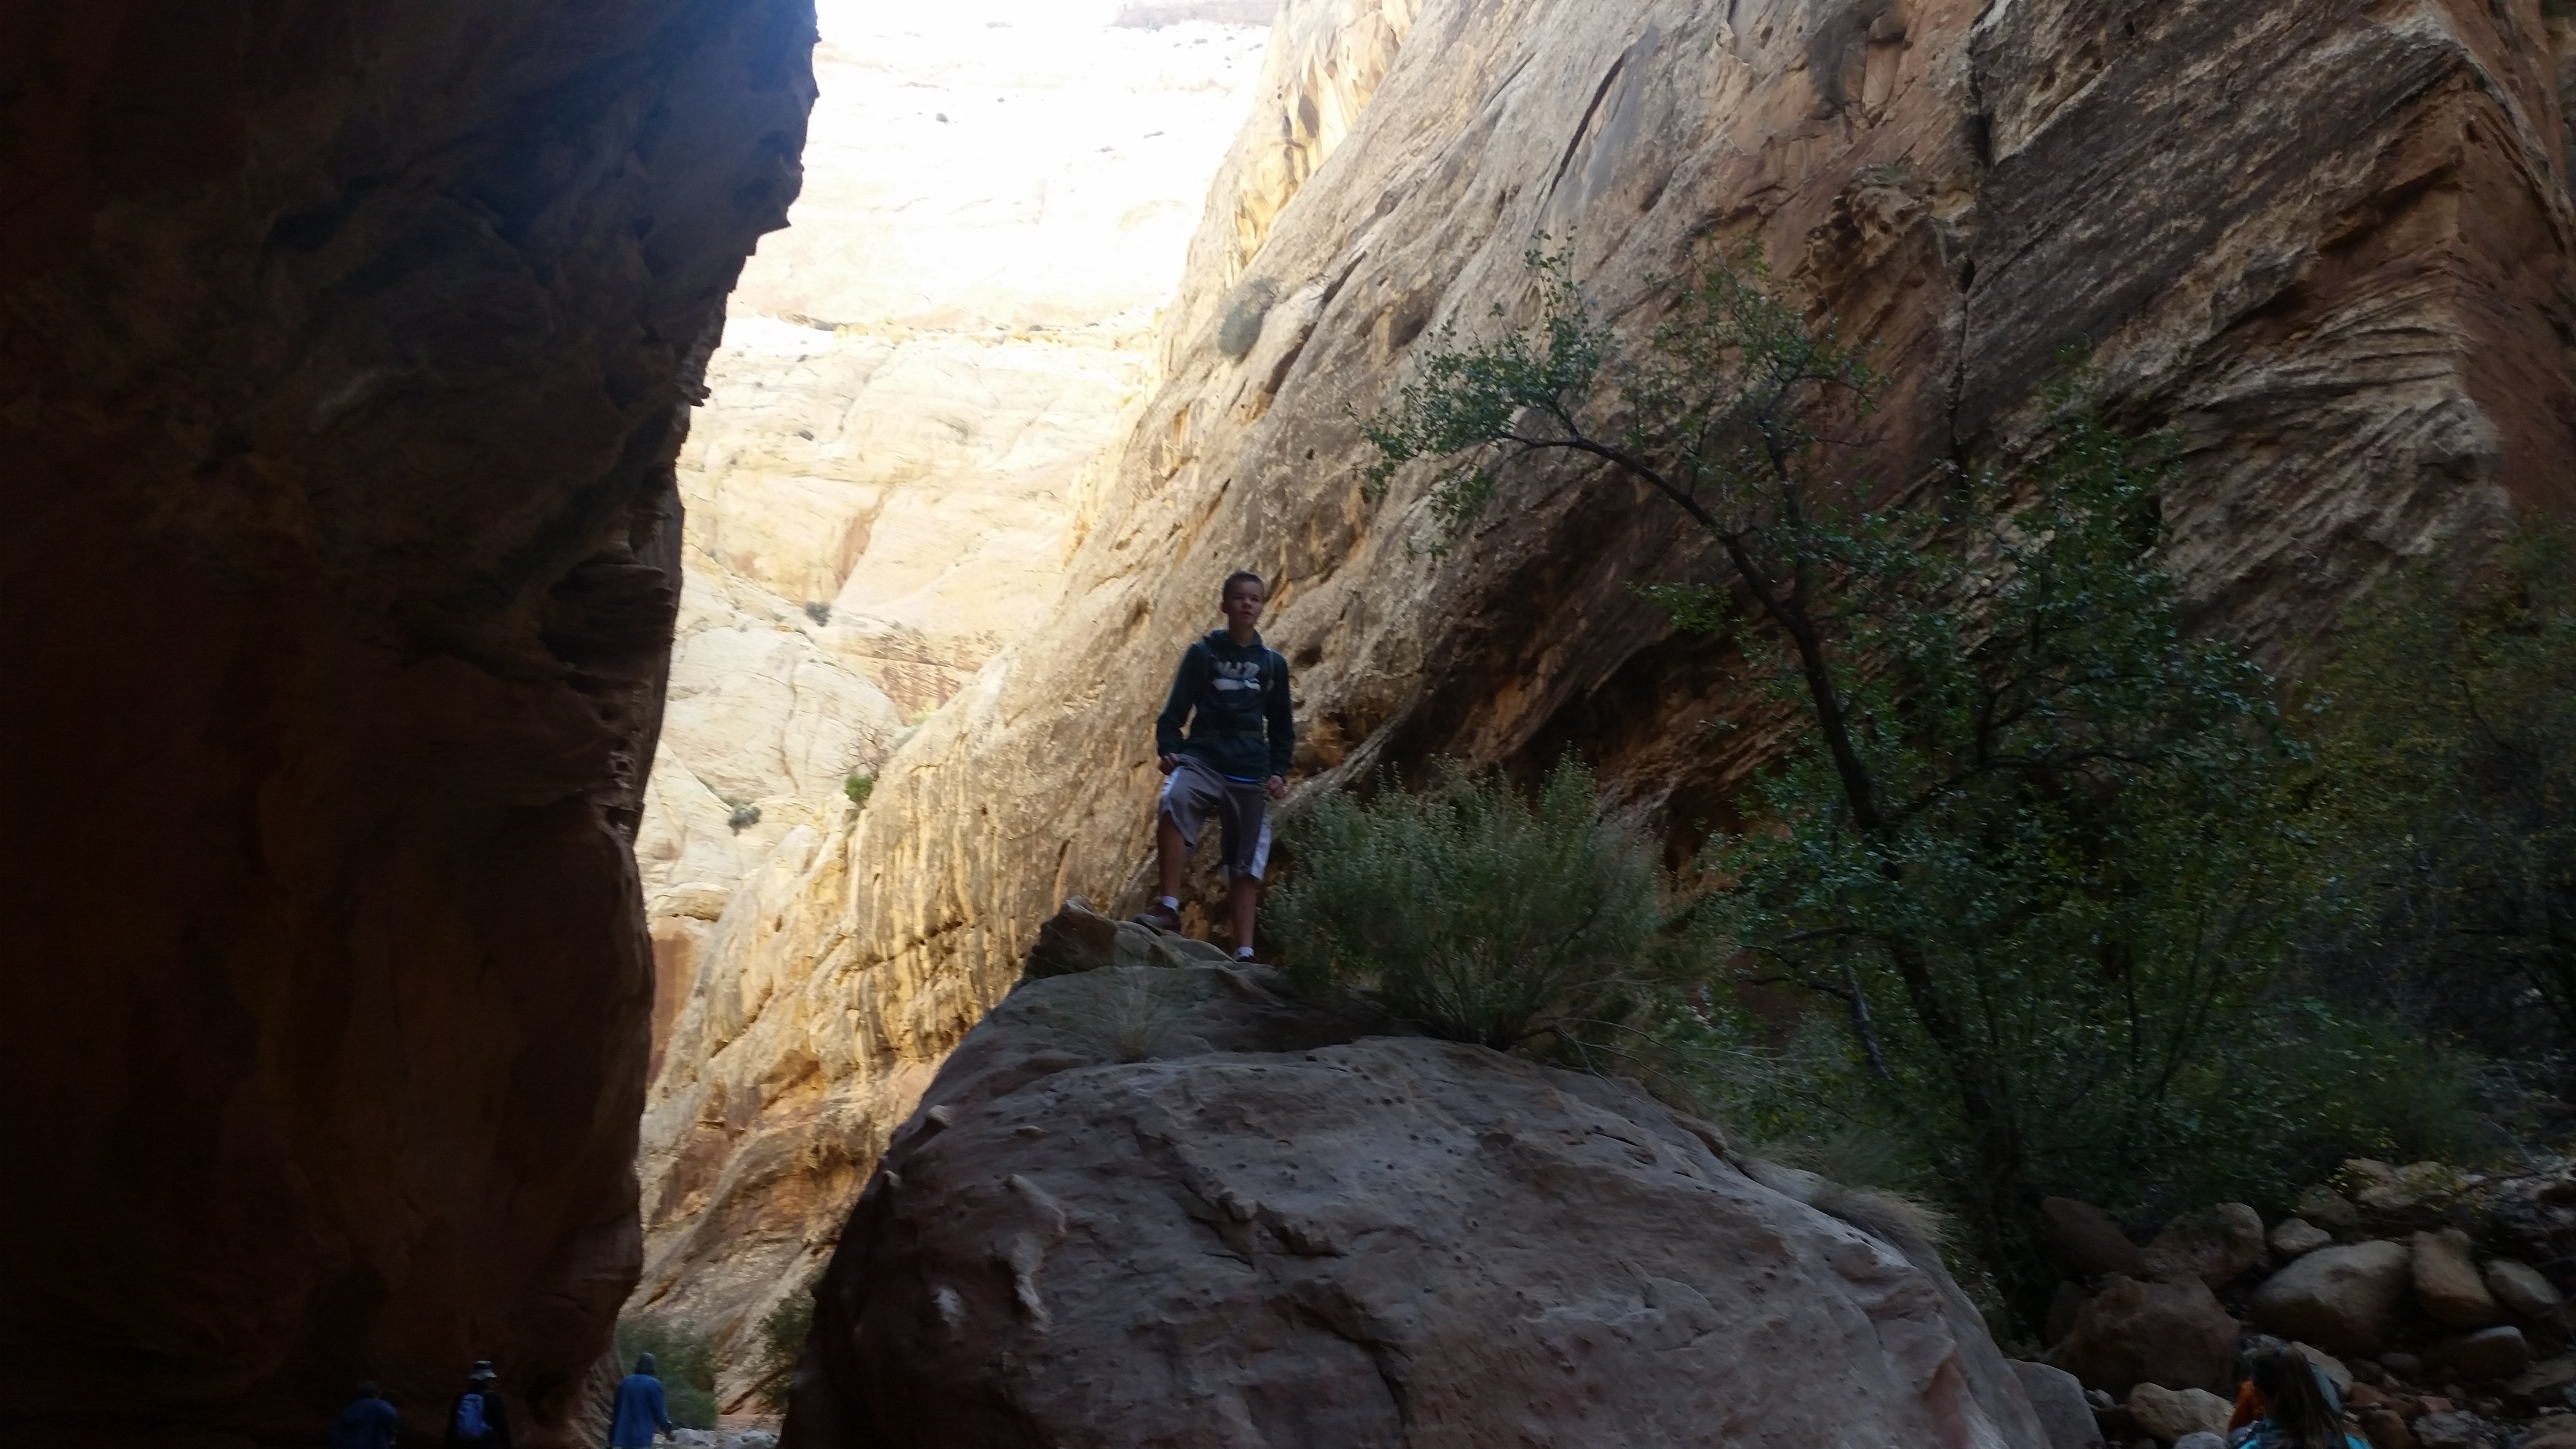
1243,728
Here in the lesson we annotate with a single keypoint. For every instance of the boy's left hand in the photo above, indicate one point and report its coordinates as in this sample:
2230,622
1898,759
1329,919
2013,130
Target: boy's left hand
1277,785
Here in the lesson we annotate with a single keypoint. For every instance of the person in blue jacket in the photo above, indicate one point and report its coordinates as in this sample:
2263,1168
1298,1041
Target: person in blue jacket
368,1423
640,1410
1231,692
477,1420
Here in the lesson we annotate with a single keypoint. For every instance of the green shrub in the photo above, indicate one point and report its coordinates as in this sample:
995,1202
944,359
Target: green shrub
2446,740
742,817
684,1359
1477,914
2277,1095
859,788
2029,844
783,1331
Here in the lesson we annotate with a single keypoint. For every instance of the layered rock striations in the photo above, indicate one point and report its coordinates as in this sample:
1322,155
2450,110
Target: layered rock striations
918,381
1154,1204
2327,243
344,354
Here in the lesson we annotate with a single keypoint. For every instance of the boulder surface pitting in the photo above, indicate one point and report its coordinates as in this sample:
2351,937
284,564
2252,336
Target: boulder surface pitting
1165,1205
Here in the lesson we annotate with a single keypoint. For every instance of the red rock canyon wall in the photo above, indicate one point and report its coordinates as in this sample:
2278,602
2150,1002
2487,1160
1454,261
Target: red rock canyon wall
344,350
2330,242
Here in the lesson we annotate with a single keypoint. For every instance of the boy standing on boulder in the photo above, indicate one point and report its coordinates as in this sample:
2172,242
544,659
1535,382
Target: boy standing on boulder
1232,692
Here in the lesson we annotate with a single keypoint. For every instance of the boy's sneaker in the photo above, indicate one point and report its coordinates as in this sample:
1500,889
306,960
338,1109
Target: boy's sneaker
1159,916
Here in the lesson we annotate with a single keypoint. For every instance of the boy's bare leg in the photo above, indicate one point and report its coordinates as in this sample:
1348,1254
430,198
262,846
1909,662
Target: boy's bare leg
1243,893
1171,854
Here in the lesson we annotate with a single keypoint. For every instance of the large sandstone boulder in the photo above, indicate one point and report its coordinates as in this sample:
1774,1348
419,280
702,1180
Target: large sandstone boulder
2343,1299
2296,1238
2057,1397
344,353
2521,1289
2385,1427
2172,1333
2171,1414
2217,1246
2447,1284
1164,1206
2329,1209
2088,1241
2488,1356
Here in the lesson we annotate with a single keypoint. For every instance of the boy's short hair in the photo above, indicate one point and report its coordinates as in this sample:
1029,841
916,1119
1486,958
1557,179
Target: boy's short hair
1225,591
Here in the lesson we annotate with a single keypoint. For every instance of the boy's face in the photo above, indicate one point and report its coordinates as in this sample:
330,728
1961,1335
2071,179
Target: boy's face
1243,604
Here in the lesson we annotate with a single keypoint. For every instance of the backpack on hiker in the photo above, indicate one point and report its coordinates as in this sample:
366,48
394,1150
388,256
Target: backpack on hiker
471,1426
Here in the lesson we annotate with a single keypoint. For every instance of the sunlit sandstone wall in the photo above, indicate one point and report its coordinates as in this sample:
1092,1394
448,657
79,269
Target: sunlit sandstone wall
918,381
344,353
917,378
2329,242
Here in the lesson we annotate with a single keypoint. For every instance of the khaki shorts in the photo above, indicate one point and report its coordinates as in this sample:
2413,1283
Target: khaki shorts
1193,792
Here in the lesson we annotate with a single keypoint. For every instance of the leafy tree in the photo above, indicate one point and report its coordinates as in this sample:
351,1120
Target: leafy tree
2028,838
2447,741
783,1331
1481,916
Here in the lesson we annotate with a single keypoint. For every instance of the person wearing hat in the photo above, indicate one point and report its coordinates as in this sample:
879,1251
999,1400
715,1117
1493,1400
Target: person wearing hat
368,1423
640,1410
476,1420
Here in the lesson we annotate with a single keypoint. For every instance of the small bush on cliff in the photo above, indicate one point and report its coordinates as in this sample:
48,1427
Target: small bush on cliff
684,1360
783,1331
2028,842
1479,914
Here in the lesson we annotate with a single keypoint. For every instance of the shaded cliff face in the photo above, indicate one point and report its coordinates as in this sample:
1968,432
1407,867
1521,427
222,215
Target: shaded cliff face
343,356
2330,243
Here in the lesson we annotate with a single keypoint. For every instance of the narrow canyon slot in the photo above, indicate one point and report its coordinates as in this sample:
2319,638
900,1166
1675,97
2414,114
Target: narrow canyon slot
1290,722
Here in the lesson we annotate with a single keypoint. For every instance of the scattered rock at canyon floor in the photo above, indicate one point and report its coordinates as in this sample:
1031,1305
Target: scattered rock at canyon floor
2260,217
2382,1306
1153,1203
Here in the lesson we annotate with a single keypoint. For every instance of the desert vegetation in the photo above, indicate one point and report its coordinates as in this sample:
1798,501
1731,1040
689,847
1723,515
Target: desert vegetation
684,1359
2043,893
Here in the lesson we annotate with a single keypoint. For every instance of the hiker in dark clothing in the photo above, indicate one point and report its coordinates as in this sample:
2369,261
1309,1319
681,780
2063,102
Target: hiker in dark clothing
368,1423
640,1410
476,1420
1231,691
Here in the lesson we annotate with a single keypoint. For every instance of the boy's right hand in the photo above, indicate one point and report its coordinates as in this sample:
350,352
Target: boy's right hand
1168,763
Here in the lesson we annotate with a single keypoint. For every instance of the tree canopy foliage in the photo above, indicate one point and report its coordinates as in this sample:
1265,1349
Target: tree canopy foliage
2446,729
2030,847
